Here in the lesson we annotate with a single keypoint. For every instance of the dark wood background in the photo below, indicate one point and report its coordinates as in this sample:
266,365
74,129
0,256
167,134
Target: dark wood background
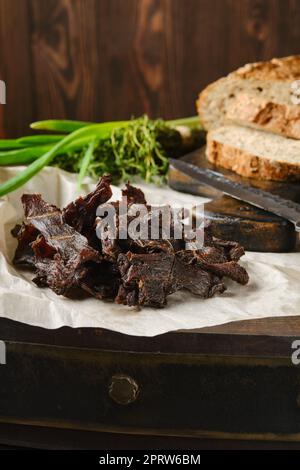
110,59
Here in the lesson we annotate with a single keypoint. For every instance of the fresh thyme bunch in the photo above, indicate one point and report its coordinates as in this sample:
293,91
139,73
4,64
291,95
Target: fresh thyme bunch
140,148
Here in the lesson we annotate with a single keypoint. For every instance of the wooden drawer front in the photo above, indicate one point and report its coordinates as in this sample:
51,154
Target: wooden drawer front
164,393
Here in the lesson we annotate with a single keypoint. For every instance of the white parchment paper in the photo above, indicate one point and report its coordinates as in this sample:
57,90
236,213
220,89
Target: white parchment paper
273,290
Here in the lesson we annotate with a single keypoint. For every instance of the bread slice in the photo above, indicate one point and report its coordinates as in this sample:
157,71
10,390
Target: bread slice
253,153
263,95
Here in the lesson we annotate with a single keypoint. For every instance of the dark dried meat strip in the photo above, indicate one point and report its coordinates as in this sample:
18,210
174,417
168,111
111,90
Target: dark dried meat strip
134,195
194,278
24,256
102,280
81,213
209,261
27,233
62,255
232,250
147,279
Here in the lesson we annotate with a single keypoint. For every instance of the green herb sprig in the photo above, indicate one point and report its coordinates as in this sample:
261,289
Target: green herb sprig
122,148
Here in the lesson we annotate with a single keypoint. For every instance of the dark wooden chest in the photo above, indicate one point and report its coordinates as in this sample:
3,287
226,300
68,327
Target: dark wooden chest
235,381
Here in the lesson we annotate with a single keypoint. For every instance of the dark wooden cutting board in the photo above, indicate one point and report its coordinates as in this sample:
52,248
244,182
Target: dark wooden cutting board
255,229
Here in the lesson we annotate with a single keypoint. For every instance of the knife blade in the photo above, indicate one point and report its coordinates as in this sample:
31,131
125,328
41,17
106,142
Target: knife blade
257,197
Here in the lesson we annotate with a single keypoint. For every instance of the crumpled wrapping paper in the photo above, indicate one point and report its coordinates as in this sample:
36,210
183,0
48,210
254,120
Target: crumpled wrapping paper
273,289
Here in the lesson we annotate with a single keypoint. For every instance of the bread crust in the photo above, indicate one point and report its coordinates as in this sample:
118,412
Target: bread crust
200,102
282,69
249,165
274,117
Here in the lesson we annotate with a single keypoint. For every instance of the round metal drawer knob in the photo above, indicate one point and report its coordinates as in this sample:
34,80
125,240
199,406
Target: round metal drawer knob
123,389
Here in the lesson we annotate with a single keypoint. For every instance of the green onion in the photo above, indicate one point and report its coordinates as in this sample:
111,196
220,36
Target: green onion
22,156
188,122
39,139
27,155
29,141
99,130
10,144
85,163
59,125
66,126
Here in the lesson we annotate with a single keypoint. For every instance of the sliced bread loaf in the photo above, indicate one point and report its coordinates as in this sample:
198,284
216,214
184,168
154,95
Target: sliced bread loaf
253,153
264,95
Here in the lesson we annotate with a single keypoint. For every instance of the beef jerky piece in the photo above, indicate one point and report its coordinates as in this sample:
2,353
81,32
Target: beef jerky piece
26,234
211,254
193,278
58,277
233,250
81,214
207,254
35,207
62,255
134,195
24,255
127,296
60,271
230,269
102,280
212,262
16,230
145,278
40,280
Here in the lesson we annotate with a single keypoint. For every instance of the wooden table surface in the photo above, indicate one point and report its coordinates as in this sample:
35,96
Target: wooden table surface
270,337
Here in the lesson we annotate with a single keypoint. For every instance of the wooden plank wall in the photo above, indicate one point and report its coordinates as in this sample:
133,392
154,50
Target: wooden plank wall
110,59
